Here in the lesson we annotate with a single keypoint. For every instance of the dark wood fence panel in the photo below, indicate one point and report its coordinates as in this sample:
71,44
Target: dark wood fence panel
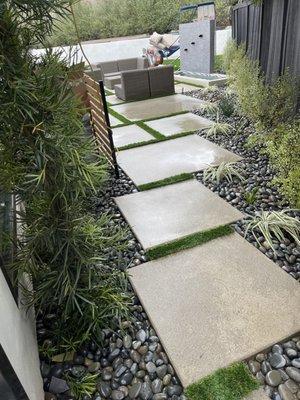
100,120
271,33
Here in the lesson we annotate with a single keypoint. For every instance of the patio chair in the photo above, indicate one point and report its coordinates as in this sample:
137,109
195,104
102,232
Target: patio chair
161,80
134,85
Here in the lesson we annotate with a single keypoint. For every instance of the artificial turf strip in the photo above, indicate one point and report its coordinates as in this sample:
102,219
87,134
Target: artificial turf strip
167,181
188,242
231,383
119,116
137,144
152,132
145,143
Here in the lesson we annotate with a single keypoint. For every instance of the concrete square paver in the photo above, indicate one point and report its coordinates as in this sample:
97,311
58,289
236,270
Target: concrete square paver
179,123
172,212
113,99
157,107
216,304
173,157
114,121
130,134
185,87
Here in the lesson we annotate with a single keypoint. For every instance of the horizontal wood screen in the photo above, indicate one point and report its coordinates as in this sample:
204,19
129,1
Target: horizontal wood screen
100,120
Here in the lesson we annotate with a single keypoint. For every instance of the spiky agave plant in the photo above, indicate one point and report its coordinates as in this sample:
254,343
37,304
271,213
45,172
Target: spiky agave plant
226,170
217,128
272,224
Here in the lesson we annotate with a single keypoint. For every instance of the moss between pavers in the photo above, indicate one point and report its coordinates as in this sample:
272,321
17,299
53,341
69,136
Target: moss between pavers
231,383
167,181
188,242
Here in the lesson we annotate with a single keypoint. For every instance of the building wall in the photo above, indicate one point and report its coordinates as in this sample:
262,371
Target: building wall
131,47
18,339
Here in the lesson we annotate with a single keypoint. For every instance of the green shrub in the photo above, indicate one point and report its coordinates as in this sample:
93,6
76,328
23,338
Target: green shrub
274,224
272,107
227,105
267,105
226,170
113,18
48,162
283,148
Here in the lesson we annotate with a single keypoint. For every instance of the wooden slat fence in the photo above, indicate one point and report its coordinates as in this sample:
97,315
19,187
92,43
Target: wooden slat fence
271,33
100,120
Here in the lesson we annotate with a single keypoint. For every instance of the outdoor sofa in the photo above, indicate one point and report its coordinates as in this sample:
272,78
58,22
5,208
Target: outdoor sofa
110,71
143,84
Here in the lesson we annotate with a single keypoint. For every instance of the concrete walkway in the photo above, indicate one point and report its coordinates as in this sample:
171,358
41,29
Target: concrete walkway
216,303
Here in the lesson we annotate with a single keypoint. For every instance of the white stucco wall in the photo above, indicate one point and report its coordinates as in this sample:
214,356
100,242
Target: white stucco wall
119,49
18,339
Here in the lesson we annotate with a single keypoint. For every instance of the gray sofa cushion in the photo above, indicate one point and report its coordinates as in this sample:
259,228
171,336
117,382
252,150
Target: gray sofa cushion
134,85
161,80
127,64
108,67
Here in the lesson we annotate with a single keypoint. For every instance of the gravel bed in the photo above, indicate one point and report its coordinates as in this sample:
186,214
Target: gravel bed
279,370
258,176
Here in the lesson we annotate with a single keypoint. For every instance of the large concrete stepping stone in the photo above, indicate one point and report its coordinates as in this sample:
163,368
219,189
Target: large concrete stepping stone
172,212
157,107
173,157
216,304
113,99
185,87
129,134
114,121
179,123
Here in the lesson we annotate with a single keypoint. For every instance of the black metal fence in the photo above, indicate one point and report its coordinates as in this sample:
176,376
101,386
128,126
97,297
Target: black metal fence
271,33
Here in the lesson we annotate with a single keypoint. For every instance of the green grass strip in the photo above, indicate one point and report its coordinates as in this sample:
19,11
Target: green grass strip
145,143
167,181
137,144
119,116
188,242
157,135
232,383
108,92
